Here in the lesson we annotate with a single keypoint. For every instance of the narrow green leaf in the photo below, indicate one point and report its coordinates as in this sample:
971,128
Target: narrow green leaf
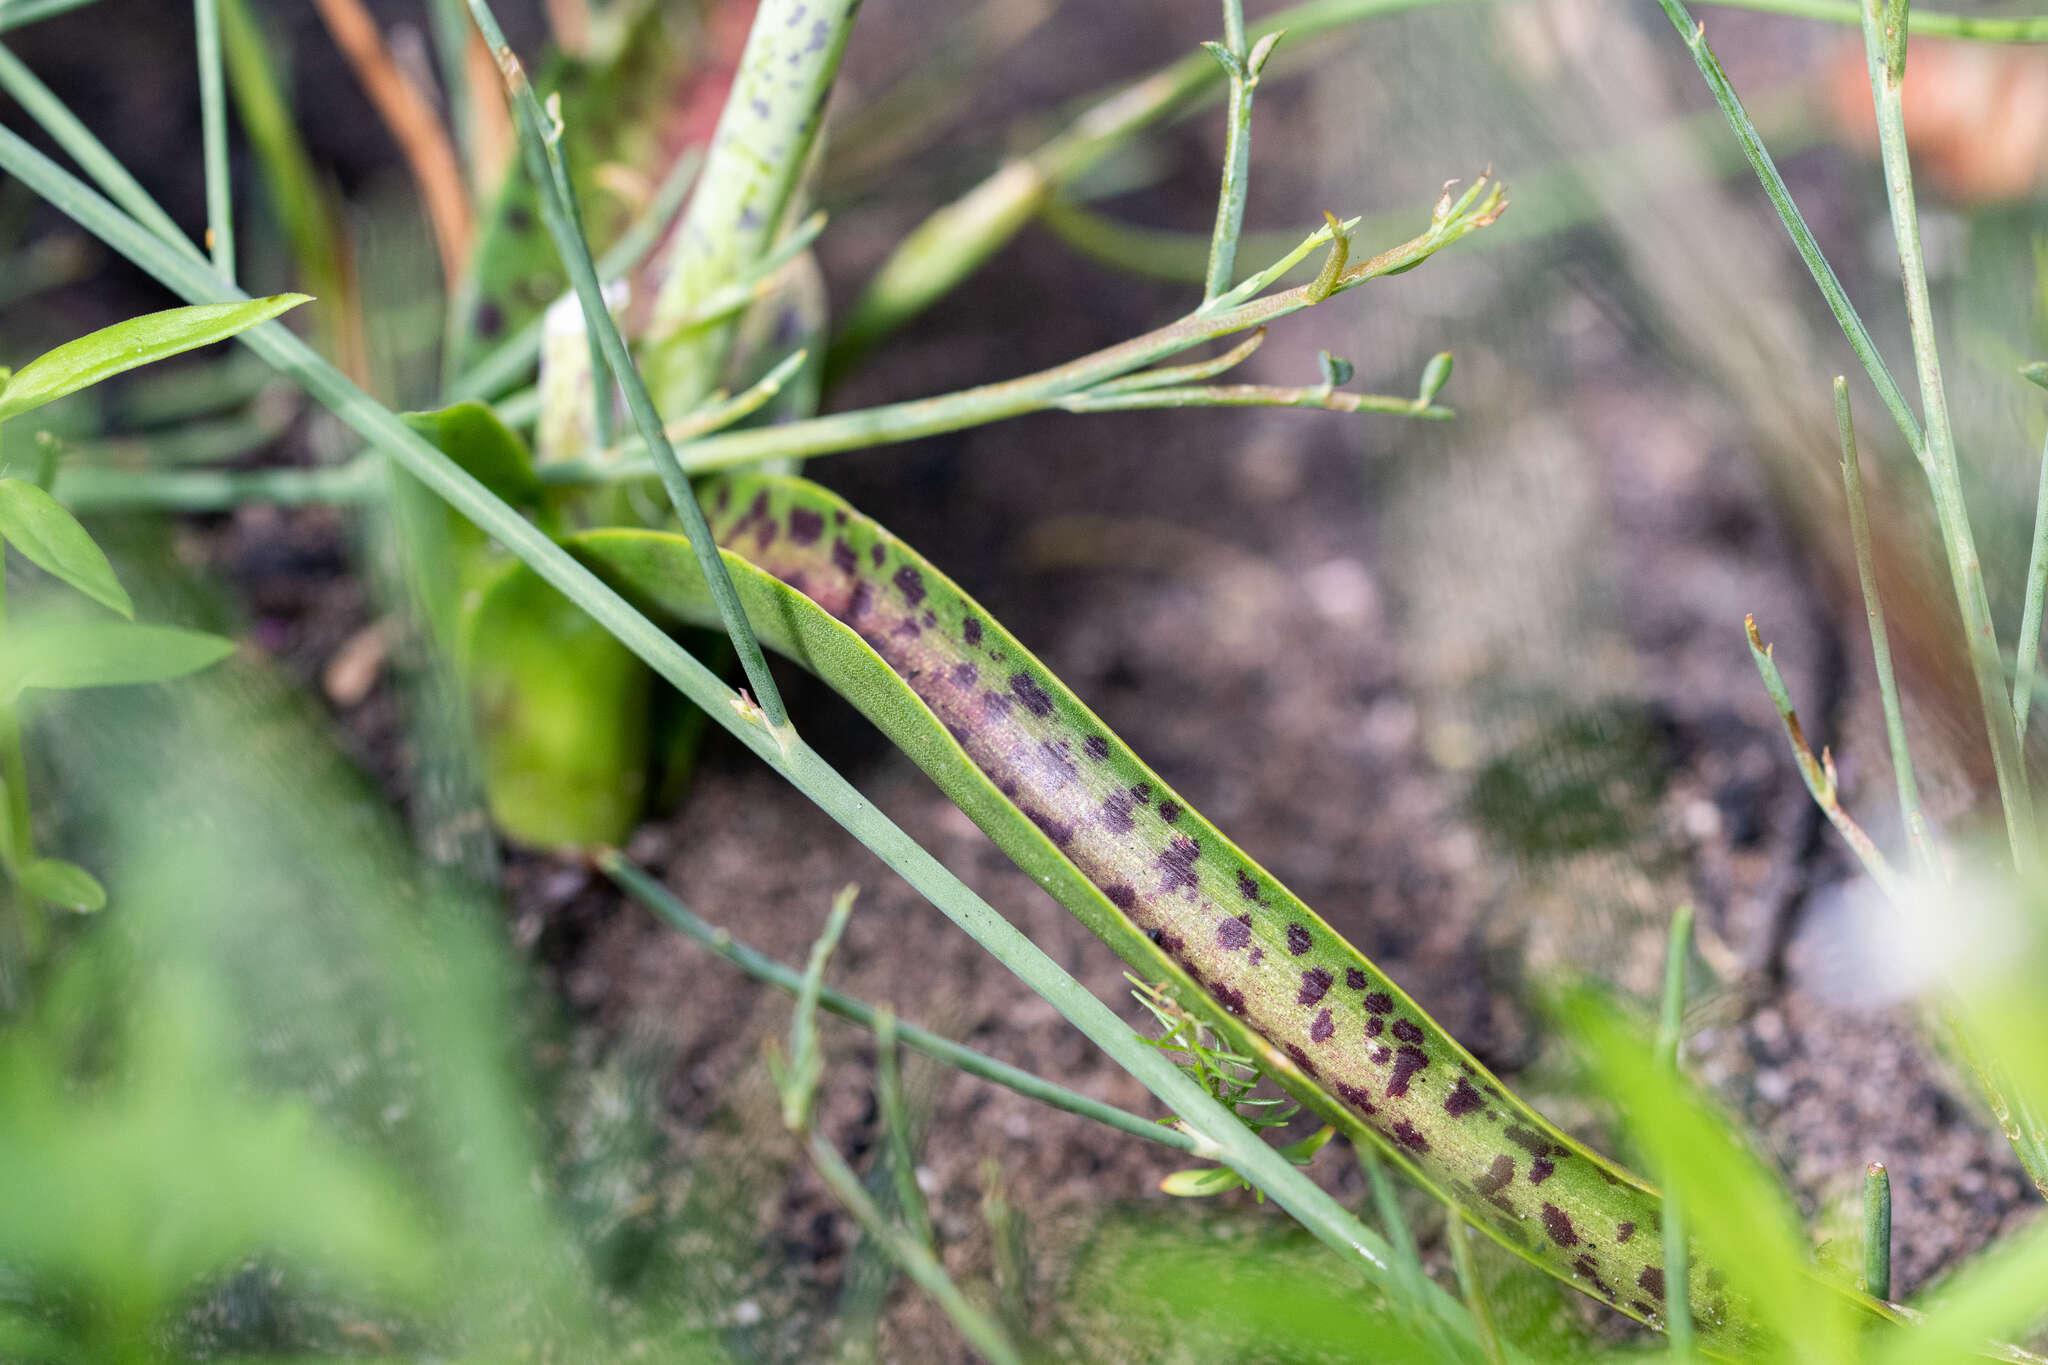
61,655
65,885
138,341
50,538
1201,1182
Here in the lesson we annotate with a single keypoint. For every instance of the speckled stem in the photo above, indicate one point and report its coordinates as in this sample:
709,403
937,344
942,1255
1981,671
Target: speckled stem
1061,795
758,154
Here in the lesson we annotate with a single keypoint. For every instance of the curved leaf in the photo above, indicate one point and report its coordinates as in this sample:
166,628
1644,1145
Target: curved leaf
66,885
62,655
561,713
50,538
138,341
1062,796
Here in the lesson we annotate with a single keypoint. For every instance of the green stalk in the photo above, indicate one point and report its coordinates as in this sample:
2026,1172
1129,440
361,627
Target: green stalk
1759,157
515,355
1221,1135
450,21
81,146
1460,1234
981,1330
1877,1231
1884,44
2030,616
213,137
1670,1030
1101,372
20,830
663,903
15,13
1241,66
543,165
896,1125
1880,642
757,159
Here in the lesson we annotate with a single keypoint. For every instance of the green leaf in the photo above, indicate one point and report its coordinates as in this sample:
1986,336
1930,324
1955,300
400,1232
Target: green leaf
62,655
1201,1182
50,538
470,434
138,341
66,885
561,712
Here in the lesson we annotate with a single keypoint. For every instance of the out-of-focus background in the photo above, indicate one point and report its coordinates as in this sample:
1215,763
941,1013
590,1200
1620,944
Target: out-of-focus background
1478,691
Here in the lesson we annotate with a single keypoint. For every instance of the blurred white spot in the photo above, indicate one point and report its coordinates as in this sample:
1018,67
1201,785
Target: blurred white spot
1343,593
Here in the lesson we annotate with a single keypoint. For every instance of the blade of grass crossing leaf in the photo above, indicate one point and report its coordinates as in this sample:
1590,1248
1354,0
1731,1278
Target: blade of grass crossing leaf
213,137
575,253
1670,1032
1221,1134
658,899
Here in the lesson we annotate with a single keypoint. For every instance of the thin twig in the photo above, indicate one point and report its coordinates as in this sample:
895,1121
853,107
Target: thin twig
421,136
981,1330
663,903
1819,773
2029,658
213,137
1255,396
1884,44
1241,67
896,1125
1880,642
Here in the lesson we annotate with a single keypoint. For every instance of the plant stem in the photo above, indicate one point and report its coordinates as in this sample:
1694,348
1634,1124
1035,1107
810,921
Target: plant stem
543,165
1670,1031
1885,53
859,429
213,136
515,355
1880,642
2029,658
15,13
1241,67
88,151
1819,773
1759,157
757,159
21,848
663,903
1472,1288
981,1330
1877,1231
896,1124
